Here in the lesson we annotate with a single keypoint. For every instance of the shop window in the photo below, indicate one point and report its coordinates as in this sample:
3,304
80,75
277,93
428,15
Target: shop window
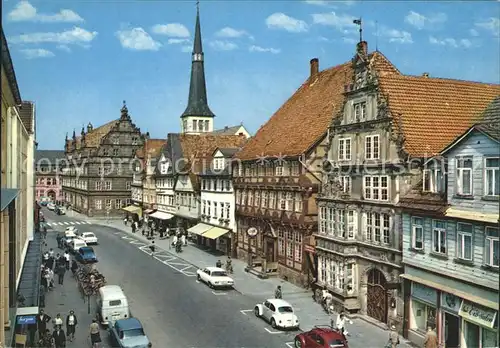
424,316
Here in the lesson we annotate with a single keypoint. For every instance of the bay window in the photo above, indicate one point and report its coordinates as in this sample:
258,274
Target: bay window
377,227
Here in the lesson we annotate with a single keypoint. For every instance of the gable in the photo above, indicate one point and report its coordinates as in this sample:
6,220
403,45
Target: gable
218,154
474,143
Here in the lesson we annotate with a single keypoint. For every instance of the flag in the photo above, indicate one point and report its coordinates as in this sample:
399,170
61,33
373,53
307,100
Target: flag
357,21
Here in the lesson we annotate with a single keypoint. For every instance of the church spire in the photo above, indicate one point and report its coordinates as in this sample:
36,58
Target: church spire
197,101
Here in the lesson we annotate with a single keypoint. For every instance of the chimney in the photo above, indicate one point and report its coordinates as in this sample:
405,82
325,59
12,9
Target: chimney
314,66
226,127
425,74
362,47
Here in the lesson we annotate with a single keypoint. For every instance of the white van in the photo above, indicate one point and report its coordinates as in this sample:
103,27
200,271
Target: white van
112,304
77,243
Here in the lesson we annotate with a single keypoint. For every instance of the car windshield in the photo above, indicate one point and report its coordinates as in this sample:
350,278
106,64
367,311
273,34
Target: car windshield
285,309
134,333
219,274
335,343
89,234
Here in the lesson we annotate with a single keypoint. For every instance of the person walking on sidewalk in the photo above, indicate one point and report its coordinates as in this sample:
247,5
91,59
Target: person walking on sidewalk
67,258
393,338
431,340
59,337
41,321
58,321
95,334
71,323
61,270
278,293
340,324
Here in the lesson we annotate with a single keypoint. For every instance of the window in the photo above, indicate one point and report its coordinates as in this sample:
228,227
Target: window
243,197
322,220
250,198
215,184
98,185
272,200
341,223
344,149
294,171
289,201
298,247
464,241
345,183
195,125
264,199
135,141
98,204
200,125
116,140
464,176
115,152
215,210
257,198
282,200
372,147
279,170
433,180
417,233
492,177
227,185
424,315
322,270
209,206
108,204
298,202
289,249
228,210
376,187
350,277
378,227
351,224
439,237
207,127
107,185
360,111
491,247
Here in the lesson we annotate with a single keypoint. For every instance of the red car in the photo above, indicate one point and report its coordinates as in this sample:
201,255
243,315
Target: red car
320,337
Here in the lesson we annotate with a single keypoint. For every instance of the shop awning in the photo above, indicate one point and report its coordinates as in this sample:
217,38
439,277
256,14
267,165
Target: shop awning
133,209
149,211
7,196
199,229
215,232
464,295
161,215
472,215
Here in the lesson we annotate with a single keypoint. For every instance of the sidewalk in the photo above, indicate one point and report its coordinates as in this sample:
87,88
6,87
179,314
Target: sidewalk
66,297
362,334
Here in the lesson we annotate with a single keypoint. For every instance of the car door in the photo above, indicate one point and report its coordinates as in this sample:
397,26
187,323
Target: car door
204,275
310,339
268,310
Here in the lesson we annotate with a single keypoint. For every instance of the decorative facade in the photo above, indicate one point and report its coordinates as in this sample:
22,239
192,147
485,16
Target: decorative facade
48,167
376,147
19,273
451,242
100,166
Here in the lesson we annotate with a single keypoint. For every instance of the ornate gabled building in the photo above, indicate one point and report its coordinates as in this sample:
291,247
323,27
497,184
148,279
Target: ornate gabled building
276,179
100,166
48,168
377,144
143,182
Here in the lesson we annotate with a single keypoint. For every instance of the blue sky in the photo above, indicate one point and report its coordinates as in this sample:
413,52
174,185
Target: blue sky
78,60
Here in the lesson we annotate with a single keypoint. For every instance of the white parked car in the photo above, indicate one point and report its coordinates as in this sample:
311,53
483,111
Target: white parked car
89,238
215,277
76,244
277,312
51,206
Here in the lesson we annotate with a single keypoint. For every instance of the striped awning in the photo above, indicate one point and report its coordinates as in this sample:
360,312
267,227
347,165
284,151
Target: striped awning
133,209
199,229
215,232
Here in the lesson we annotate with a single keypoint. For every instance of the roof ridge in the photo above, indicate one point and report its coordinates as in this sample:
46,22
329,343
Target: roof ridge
437,78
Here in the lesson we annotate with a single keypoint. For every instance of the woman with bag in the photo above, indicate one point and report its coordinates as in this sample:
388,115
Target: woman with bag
393,338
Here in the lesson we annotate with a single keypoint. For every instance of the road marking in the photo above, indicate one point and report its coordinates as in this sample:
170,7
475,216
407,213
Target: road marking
167,258
66,223
185,268
48,224
189,274
77,222
244,311
180,264
290,344
219,293
273,332
127,238
117,233
135,242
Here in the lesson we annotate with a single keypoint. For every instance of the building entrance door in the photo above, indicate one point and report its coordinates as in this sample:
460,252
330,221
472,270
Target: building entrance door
376,301
451,327
270,251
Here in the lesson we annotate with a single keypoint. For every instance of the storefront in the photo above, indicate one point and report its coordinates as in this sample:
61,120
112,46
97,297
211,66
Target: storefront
213,237
480,326
424,305
450,319
135,211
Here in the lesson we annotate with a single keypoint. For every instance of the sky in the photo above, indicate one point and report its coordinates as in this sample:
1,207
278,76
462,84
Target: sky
78,60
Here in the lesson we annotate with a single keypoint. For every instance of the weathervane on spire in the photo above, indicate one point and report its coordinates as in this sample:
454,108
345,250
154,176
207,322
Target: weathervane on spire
360,23
198,5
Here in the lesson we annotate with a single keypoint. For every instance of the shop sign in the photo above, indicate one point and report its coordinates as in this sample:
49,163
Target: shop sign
450,302
309,249
424,293
478,314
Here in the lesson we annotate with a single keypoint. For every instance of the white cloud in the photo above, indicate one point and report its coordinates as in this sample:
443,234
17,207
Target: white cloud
24,11
63,48
171,29
491,24
349,40
343,23
473,32
187,49
421,21
229,32
280,20
223,45
76,35
32,53
178,41
318,2
137,39
396,36
254,48
450,42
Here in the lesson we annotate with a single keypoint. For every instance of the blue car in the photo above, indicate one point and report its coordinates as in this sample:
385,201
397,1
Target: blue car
128,333
86,255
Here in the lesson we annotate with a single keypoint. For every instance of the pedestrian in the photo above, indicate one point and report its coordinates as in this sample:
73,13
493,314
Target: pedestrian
58,320
42,296
59,337
431,340
71,323
50,262
67,258
183,239
45,258
51,253
152,247
41,321
95,334
340,324
44,234
174,240
278,293
125,221
218,264
50,276
74,267
133,228
58,260
61,270
59,241
393,338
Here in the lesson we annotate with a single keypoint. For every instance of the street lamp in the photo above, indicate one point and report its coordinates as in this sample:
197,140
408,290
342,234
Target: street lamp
251,233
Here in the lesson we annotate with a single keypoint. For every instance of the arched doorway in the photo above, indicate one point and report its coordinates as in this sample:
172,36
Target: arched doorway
52,195
376,295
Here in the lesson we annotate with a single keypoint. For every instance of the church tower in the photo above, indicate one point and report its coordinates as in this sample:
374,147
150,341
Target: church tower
197,118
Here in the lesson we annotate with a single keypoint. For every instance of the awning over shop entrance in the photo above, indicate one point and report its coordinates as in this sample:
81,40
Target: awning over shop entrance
149,211
161,215
215,232
199,229
7,196
133,209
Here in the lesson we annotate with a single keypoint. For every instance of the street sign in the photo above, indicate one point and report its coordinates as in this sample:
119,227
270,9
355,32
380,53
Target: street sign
252,231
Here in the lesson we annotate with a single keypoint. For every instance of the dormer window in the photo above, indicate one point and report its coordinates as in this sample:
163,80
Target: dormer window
433,180
195,125
200,126
164,167
135,140
360,111
207,126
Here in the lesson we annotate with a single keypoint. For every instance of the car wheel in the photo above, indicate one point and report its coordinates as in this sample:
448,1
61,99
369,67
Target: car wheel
198,278
297,343
273,323
256,311
211,286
